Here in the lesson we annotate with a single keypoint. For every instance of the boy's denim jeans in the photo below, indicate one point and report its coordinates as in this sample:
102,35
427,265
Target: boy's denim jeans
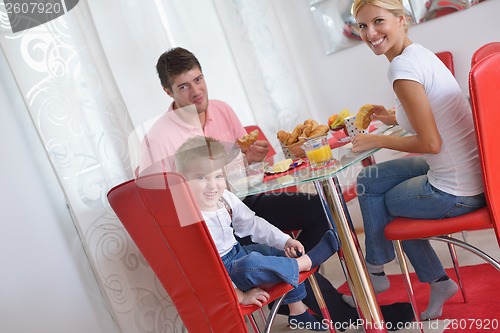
400,188
255,265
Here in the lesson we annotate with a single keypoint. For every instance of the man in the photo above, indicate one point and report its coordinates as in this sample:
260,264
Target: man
192,114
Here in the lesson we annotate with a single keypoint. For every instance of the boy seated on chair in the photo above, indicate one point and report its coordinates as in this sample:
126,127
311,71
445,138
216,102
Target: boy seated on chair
275,256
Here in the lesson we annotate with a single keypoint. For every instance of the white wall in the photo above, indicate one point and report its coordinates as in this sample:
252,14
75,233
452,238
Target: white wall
355,76
46,284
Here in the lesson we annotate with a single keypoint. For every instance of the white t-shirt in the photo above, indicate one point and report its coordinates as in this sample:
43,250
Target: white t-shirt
245,223
456,168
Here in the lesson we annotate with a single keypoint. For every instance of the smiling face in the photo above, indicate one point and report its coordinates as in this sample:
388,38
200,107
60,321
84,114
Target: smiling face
189,88
207,188
382,31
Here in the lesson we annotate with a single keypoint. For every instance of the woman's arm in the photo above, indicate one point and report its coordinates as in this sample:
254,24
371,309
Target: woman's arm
426,140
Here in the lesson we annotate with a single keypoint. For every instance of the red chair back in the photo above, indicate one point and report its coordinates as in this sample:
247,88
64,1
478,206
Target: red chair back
261,136
447,58
484,88
484,51
162,218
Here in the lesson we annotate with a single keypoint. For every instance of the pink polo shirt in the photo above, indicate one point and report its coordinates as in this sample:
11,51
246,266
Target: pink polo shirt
170,131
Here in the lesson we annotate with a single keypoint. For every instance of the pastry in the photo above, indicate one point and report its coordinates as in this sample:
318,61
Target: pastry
283,136
248,139
319,130
363,117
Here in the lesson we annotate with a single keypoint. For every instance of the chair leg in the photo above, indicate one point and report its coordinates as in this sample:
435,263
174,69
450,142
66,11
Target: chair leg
272,313
321,302
464,235
262,315
478,252
406,277
253,323
456,266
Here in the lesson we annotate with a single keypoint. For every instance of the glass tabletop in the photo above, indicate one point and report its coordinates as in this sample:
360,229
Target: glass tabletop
301,175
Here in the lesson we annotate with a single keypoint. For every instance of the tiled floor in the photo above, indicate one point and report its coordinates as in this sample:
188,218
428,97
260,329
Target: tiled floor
484,239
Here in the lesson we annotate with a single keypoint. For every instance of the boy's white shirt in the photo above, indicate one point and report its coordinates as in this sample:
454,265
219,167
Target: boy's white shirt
244,223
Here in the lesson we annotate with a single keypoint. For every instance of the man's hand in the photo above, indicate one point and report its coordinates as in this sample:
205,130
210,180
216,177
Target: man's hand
257,151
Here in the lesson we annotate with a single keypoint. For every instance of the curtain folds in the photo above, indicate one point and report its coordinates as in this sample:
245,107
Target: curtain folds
266,69
76,107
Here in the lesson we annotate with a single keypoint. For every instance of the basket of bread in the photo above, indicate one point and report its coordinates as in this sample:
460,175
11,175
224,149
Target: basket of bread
291,142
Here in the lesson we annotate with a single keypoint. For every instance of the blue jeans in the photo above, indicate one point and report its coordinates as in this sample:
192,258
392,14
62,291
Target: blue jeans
255,265
400,188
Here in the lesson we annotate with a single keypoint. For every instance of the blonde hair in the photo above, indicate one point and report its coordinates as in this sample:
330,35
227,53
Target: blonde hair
198,147
396,7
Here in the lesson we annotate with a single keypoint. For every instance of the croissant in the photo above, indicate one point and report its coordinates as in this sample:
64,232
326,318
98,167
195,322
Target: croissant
248,139
294,136
283,136
308,128
319,130
311,122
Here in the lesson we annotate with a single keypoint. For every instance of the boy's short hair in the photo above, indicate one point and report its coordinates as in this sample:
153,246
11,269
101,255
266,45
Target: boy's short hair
175,62
196,148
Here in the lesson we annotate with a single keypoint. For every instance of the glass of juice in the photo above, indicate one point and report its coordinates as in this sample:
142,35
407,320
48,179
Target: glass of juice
318,152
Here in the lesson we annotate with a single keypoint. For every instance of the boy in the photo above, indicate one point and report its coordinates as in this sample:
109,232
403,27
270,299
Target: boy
275,256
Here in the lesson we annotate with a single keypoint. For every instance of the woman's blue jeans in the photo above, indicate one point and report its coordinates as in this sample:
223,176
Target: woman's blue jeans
257,265
400,188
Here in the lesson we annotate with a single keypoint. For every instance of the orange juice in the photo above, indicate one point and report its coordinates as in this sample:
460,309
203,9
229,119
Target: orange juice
318,152
320,156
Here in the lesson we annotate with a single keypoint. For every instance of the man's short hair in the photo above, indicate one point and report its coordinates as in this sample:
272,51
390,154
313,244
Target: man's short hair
175,62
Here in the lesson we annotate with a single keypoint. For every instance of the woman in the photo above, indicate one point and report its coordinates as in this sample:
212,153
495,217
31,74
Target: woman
445,181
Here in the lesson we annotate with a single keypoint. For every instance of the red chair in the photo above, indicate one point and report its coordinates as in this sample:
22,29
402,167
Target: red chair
162,218
484,51
447,58
484,85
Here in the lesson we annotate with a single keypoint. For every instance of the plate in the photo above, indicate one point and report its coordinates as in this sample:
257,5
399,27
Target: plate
346,139
269,169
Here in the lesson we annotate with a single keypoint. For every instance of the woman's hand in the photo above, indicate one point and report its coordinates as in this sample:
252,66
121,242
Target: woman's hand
362,142
257,151
294,248
255,296
388,117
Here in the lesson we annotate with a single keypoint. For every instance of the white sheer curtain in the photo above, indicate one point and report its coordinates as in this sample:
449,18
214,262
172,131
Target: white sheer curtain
88,77
259,48
78,111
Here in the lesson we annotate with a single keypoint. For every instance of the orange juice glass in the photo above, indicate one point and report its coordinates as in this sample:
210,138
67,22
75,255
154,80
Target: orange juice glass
318,152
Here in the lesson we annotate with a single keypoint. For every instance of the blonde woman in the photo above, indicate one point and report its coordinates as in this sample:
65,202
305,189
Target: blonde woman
445,181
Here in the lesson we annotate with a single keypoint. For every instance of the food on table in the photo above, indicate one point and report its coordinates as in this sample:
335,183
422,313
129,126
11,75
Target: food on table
318,130
283,136
363,117
311,122
248,139
283,165
336,121
308,129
